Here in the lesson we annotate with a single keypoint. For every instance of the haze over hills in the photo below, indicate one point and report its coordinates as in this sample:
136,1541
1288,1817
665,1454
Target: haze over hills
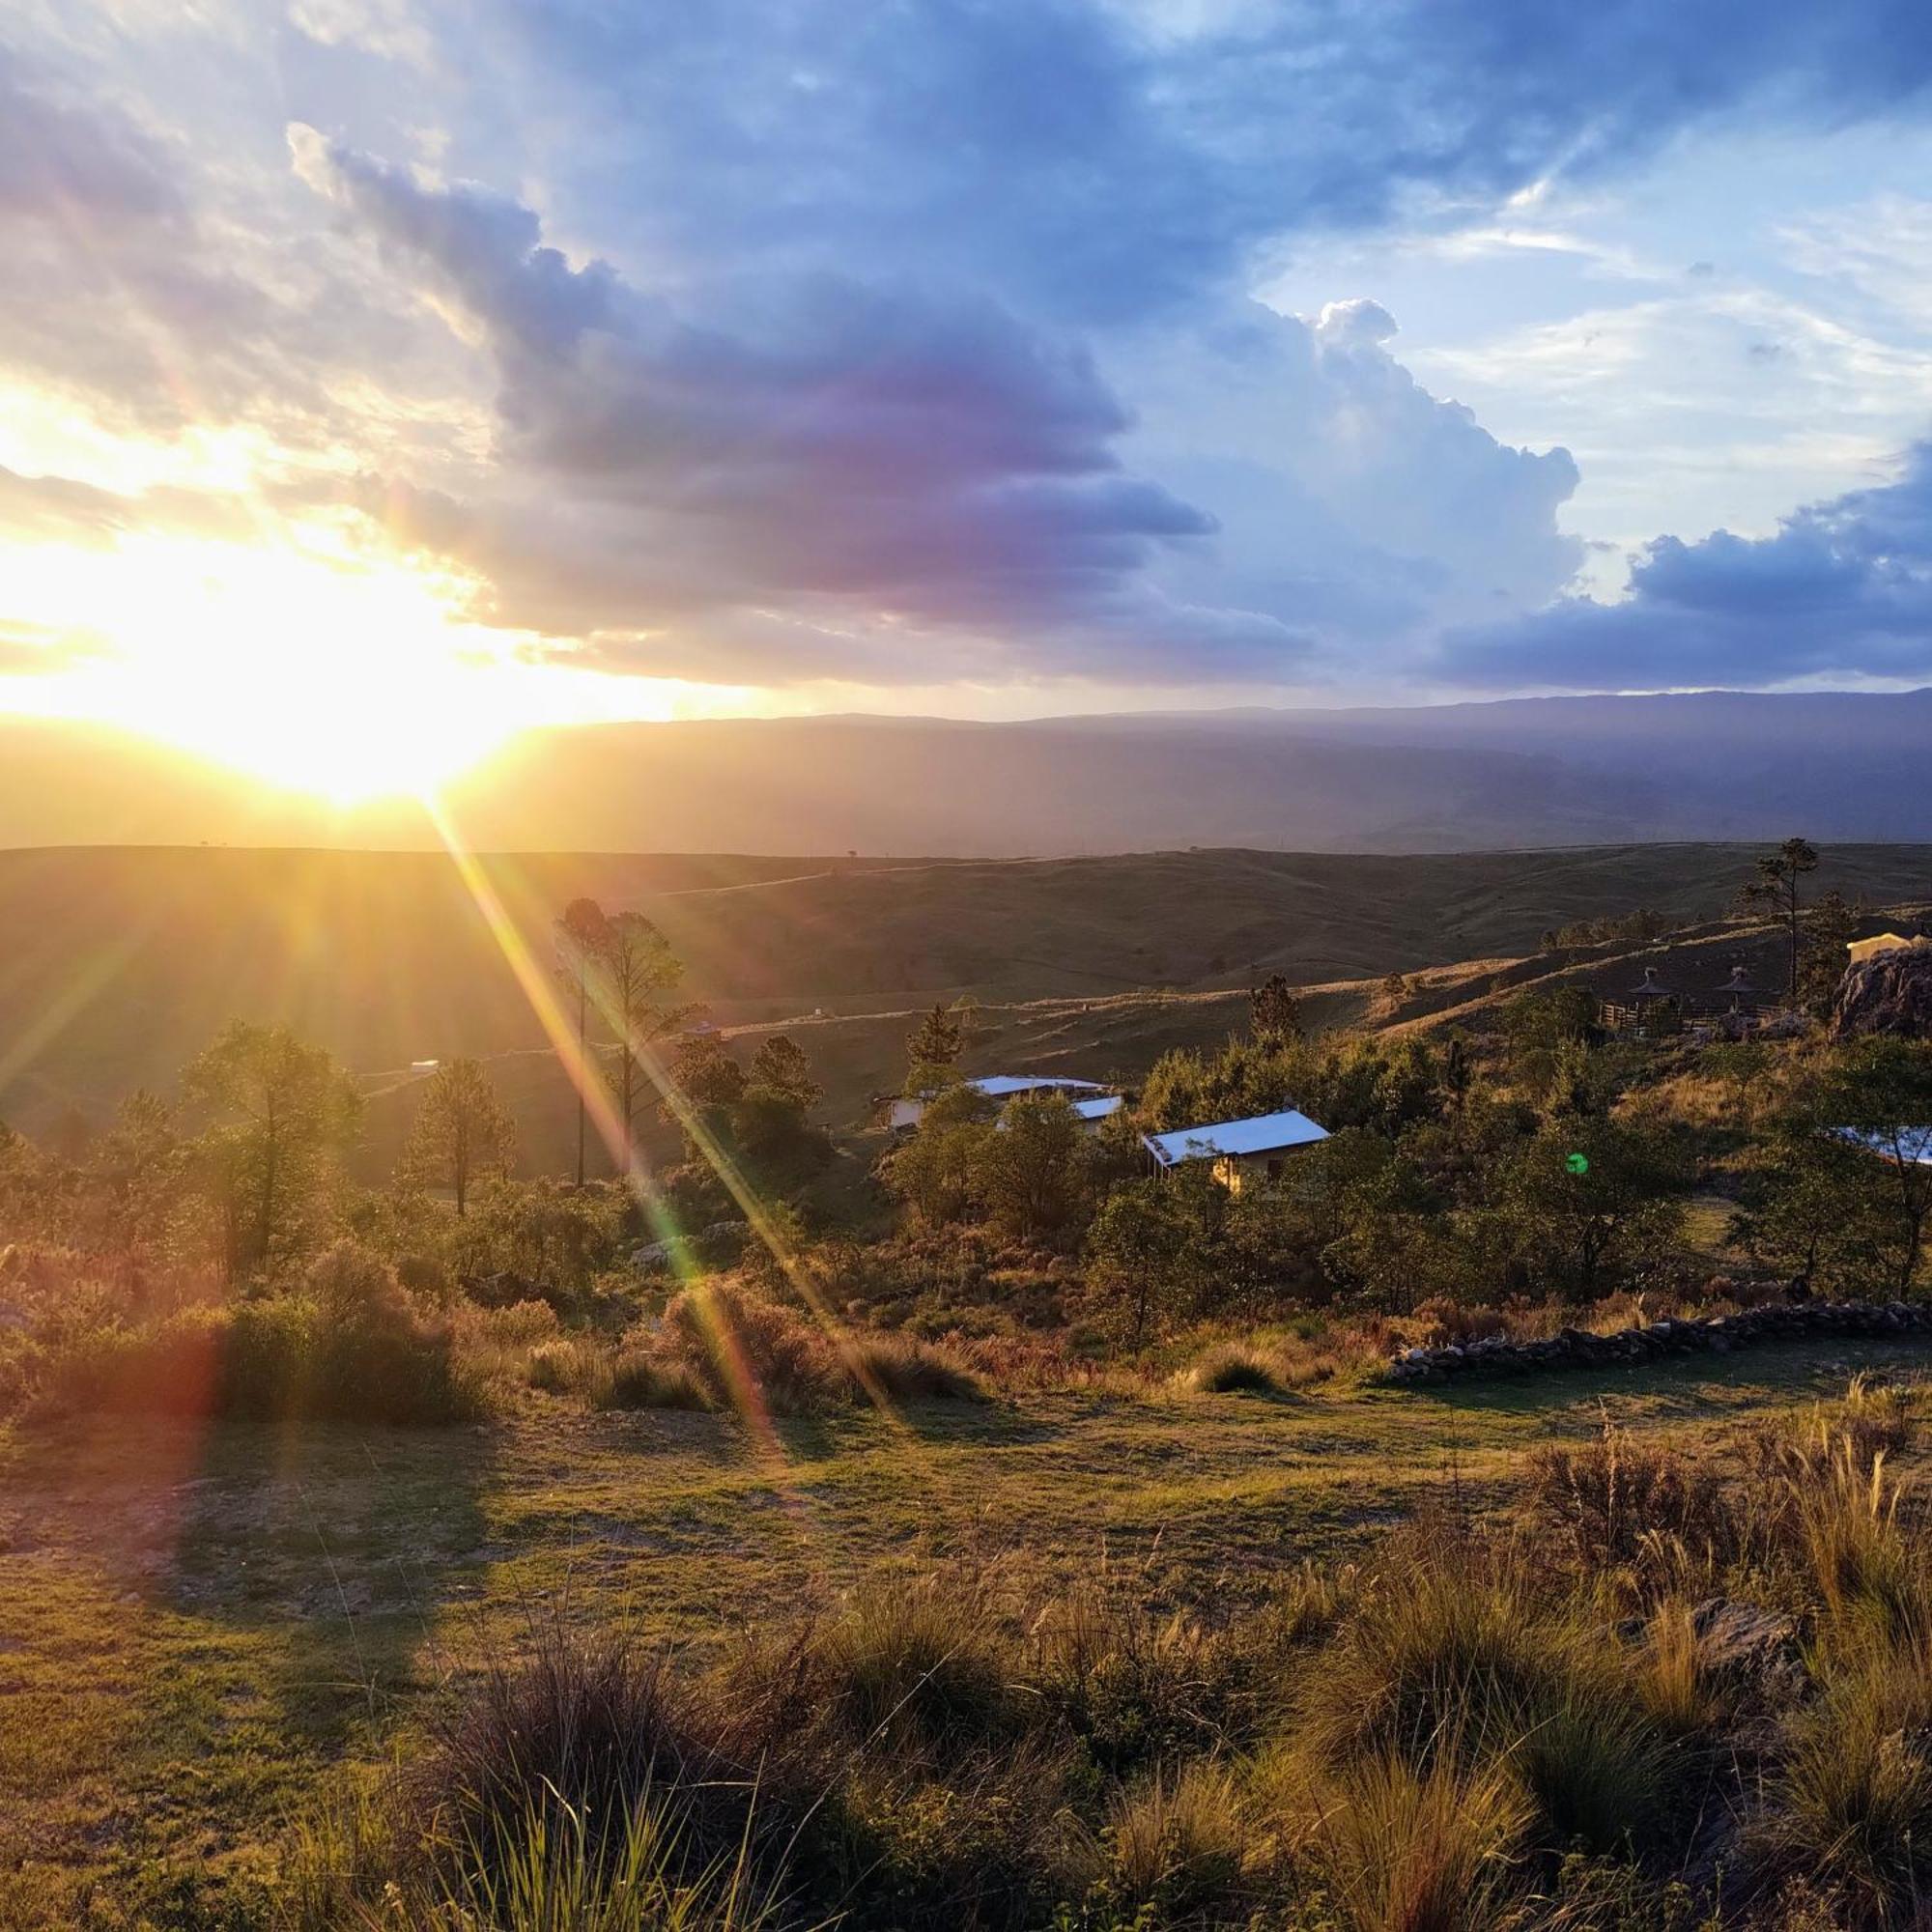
1519,773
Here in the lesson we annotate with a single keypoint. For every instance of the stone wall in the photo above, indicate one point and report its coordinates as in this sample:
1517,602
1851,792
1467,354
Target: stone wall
1712,1335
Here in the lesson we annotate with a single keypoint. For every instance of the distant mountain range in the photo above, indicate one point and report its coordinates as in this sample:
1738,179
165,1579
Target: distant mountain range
1525,772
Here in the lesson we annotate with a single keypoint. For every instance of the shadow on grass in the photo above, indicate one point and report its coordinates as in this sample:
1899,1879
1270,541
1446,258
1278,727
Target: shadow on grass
1685,1385
327,1552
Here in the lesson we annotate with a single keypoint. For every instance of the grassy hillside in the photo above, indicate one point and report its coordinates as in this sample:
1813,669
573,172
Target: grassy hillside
122,962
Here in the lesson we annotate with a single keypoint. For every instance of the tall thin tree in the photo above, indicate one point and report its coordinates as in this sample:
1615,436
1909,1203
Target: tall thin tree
583,934
637,972
1779,874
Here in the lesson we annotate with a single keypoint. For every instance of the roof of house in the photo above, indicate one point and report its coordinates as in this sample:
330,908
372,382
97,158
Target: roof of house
1100,1108
1914,1143
998,1086
1265,1134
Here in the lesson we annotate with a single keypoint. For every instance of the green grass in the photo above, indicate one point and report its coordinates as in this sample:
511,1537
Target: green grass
195,1623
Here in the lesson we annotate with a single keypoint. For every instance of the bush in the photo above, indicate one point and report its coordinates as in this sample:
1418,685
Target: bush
1402,1850
639,1380
349,1348
1175,1839
1852,1797
1229,1369
919,1657
741,1349
1461,1666
1612,1497
908,1370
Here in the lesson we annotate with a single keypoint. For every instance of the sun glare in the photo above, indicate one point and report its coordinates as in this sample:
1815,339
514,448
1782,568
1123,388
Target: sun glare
346,679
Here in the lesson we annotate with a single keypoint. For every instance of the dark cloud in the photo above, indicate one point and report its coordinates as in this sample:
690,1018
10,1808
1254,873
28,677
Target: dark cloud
1844,588
1092,161
882,453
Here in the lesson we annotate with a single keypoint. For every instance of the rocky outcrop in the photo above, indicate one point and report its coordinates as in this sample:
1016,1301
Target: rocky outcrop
1889,993
1712,1335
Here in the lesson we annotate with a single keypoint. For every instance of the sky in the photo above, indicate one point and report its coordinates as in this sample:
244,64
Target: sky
380,375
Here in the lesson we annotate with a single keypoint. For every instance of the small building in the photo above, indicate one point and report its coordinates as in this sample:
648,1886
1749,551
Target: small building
1240,1149
910,1109
1859,949
1092,1112
1649,1007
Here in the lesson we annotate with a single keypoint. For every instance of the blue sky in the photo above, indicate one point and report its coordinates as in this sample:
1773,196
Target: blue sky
987,358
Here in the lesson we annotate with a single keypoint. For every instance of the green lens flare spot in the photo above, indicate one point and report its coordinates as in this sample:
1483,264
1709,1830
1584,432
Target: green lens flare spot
1576,1163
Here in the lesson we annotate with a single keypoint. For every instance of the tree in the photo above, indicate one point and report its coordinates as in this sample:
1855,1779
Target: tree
1881,1093
1152,1260
582,936
1028,1174
1813,1210
932,1171
636,971
461,1131
1274,1012
1585,1201
1540,1027
1830,927
1780,875
1456,1074
780,1063
283,1112
934,1045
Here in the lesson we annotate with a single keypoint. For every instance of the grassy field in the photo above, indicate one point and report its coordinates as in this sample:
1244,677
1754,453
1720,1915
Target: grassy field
197,1625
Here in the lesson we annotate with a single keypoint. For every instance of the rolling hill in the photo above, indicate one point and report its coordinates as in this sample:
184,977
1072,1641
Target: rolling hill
122,962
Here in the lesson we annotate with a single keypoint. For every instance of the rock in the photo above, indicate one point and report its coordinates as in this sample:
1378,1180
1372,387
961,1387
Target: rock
1746,1647
1889,993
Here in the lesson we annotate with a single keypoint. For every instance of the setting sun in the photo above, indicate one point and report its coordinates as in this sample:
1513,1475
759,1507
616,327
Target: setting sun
347,681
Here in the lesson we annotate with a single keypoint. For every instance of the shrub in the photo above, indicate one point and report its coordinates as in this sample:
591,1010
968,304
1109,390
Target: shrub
1852,1797
908,1370
1403,1850
1610,1497
1461,1666
1176,1838
638,1380
587,1726
738,1346
919,1656
1229,1369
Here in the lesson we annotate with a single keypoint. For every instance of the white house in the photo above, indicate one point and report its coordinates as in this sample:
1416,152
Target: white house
908,1111
1238,1149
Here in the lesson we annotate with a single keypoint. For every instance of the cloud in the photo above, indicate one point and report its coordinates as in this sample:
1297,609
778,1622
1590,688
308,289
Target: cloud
878,455
1842,589
1106,161
60,154
897,341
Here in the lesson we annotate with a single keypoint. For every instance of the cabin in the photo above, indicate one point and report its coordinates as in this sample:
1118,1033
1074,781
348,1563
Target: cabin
910,1109
1859,949
1241,1151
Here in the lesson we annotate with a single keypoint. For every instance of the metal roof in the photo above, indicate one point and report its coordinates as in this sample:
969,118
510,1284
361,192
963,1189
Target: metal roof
1098,1110
1265,1134
997,1086
1915,1144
